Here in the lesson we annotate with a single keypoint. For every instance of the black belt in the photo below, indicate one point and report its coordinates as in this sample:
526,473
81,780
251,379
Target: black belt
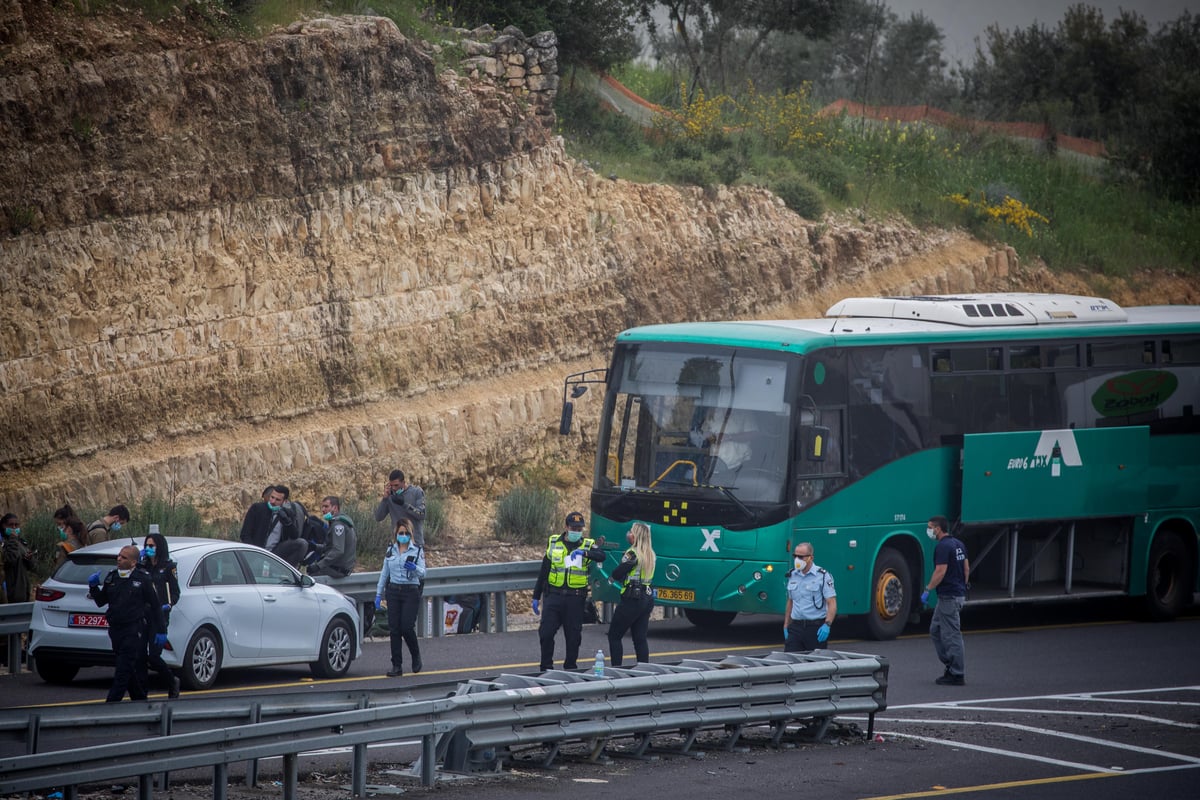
563,590
808,623
638,590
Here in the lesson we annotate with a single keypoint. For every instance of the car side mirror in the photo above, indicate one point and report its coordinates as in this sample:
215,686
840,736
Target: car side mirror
307,581
564,422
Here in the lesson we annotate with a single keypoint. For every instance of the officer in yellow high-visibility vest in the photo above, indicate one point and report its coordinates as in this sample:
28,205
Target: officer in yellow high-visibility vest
564,582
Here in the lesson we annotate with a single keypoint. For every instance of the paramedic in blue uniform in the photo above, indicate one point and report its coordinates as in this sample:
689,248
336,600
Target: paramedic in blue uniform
133,611
811,604
563,580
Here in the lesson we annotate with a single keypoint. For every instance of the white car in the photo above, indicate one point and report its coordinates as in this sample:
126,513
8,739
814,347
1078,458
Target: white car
239,606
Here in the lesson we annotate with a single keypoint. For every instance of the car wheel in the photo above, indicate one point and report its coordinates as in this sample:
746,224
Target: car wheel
337,650
891,595
201,660
59,674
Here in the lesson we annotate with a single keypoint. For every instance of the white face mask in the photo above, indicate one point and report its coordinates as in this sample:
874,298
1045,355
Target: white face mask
931,533
800,562
124,573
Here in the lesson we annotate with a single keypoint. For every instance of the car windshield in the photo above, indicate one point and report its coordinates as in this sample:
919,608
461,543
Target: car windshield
77,568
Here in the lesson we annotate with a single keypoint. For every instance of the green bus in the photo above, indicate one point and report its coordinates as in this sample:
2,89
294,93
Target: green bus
1058,433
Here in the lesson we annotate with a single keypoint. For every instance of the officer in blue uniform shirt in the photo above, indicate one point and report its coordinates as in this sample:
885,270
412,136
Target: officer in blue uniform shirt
811,604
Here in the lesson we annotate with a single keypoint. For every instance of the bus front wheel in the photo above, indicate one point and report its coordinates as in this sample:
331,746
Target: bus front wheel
702,618
890,596
1169,577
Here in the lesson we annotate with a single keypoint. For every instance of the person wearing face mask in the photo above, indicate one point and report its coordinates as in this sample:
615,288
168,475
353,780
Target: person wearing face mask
563,580
336,556
17,558
71,536
156,561
403,501
951,571
133,609
811,604
110,523
633,575
399,588
256,525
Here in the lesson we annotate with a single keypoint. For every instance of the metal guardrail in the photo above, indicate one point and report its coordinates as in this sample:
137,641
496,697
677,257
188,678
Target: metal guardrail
14,621
488,721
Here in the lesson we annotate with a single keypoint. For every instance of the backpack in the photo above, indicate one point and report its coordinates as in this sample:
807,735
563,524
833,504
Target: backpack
298,516
314,531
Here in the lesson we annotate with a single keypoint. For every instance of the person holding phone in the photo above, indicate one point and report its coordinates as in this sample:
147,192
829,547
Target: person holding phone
399,588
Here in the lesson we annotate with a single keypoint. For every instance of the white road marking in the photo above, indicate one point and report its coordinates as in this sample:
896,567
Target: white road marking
1049,712
997,751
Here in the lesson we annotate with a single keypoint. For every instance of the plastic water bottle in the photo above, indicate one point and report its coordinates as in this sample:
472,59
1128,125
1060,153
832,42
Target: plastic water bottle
598,665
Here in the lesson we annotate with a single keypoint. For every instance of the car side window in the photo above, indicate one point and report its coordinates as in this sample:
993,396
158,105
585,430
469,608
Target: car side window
267,570
219,569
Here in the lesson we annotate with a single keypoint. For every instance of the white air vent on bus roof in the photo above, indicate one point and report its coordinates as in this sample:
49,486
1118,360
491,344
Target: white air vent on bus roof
983,310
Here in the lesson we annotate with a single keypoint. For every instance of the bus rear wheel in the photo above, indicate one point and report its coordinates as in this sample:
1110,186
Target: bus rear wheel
709,619
891,596
1169,577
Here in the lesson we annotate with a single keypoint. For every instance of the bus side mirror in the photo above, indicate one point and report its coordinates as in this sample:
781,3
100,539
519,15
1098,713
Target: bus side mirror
815,440
564,422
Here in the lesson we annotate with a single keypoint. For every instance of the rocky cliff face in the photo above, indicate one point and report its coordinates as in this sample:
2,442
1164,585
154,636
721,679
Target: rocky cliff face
313,257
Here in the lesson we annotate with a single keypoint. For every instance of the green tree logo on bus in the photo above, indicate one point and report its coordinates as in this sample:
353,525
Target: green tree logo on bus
1134,392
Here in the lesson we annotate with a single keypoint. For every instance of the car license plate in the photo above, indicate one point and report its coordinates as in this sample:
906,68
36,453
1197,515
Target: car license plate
88,621
680,595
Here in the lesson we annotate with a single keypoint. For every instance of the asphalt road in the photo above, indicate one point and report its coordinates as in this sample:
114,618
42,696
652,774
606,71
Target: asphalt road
1060,702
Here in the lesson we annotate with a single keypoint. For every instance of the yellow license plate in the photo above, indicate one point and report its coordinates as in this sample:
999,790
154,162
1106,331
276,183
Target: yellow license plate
681,595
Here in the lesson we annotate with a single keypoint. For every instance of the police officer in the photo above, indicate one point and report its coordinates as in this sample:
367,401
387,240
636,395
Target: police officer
563,580
133,608
811,603
633,575
164,574
337,554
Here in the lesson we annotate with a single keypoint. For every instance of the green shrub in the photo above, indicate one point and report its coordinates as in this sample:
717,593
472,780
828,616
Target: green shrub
828,172
526,515
691,173
800,196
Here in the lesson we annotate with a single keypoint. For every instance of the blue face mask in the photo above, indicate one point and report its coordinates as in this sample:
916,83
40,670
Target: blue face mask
62,534
273,508
116,526
150,551
402,538
573,536
327,516
12,531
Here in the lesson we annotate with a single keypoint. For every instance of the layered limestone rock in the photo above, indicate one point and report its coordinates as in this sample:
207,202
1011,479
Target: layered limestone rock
313,257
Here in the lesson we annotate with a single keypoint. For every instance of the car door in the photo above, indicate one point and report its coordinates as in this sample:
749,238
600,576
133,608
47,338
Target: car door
235,603
291,613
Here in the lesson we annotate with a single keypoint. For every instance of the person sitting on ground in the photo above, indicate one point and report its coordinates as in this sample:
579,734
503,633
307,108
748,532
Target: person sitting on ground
338,553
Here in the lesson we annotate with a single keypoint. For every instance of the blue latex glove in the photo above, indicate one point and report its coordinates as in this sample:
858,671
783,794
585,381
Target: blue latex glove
410,565
142,553
924,597
94,579
537,610
378,602
823,633
580,553
160,640
166,607
785,633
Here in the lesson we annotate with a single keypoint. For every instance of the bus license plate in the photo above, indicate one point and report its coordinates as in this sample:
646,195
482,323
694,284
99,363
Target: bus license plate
88,621
680,595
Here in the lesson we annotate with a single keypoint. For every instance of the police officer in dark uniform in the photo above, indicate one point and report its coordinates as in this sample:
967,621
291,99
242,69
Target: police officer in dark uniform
634,575
811,604
563,579
156,560
133,607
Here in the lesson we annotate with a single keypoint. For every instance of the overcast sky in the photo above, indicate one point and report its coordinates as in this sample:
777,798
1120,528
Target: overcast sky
963,20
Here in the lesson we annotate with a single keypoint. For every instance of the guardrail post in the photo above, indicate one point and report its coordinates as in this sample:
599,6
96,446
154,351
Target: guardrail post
501,612
33,729
358,771
221,781
428,760
164,729
252,766
290,775
146,787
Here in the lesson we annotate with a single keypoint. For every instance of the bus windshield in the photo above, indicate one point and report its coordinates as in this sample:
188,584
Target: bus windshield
679,420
